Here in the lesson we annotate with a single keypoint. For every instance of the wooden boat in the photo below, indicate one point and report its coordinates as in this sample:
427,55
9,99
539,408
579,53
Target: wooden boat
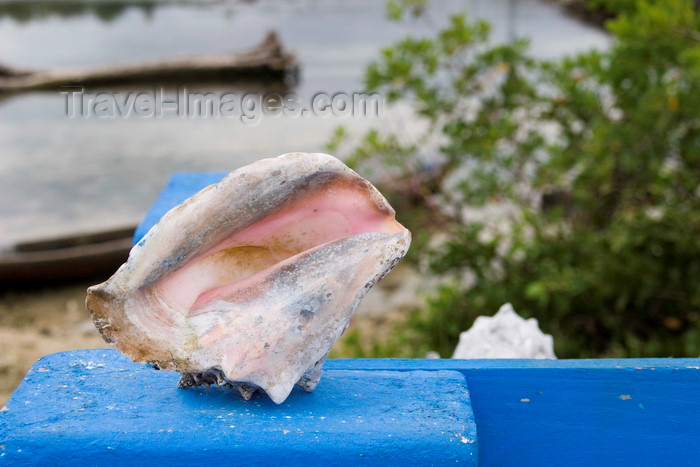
268,60
83,256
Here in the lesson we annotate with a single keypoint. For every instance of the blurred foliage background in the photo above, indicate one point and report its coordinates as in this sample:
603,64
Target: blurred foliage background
570,188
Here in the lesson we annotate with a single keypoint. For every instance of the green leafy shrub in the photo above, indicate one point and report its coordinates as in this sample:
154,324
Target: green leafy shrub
593,163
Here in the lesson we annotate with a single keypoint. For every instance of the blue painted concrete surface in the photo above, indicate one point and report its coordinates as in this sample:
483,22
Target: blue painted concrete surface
603,412
96,407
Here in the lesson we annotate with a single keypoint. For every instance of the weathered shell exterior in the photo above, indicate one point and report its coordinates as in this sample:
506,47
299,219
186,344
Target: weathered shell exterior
272,326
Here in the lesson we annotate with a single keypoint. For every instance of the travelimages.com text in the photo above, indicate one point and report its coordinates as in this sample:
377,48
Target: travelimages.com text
247,107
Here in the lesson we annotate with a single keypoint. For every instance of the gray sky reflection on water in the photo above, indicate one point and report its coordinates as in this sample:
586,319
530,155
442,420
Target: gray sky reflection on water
59,175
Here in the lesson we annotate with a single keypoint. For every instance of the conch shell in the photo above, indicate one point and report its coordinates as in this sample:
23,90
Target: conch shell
249,282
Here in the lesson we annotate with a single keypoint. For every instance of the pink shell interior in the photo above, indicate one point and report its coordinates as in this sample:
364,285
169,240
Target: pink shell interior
325,215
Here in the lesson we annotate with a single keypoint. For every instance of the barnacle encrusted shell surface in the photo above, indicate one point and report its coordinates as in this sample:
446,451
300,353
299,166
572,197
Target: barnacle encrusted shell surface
250,282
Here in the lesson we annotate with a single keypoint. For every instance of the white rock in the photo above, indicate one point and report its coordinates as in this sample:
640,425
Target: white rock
505,335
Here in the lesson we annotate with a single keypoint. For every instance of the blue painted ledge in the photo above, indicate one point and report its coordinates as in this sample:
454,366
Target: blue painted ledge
605,412
95,407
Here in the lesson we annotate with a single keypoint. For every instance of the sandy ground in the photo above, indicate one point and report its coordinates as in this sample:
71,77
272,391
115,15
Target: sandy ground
40,322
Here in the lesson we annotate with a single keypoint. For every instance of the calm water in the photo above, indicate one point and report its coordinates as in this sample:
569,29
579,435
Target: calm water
59,175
